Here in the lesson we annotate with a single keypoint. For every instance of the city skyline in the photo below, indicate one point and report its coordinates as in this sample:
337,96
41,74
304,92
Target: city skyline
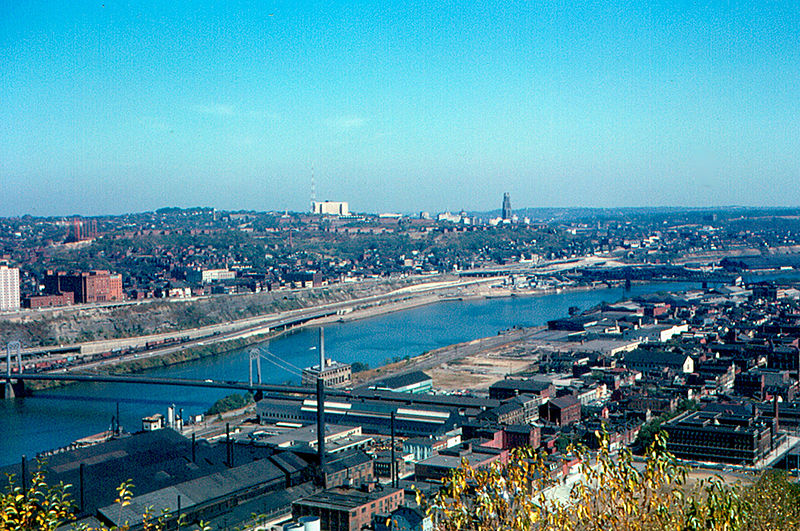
110,109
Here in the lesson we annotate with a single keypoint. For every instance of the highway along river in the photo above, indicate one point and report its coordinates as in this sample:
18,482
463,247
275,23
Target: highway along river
56,417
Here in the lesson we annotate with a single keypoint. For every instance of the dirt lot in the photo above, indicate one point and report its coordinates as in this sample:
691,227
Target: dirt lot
478,371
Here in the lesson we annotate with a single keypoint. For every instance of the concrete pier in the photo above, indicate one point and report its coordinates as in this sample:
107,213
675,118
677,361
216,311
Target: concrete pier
12,389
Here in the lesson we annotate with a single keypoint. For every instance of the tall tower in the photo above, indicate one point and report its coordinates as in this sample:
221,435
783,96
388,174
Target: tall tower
313,190
506,206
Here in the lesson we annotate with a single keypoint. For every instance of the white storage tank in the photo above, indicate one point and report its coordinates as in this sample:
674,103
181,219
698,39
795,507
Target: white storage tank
292,526
310,523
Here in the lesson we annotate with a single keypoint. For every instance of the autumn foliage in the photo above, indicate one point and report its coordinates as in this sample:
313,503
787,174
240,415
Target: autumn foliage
614,493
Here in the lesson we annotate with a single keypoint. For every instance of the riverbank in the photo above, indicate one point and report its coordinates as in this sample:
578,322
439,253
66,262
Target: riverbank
54,418
138,365
409,298
98,328
474,365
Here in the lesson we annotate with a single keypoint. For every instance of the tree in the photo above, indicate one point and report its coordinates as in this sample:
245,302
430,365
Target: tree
359,366
41,507
37,507
612,494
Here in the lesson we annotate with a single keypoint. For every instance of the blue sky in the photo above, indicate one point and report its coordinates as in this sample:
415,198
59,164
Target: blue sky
128,106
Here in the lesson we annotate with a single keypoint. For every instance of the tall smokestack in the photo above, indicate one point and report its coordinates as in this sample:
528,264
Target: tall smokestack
229,454
321,422
82,472
392,466
24,477
321,350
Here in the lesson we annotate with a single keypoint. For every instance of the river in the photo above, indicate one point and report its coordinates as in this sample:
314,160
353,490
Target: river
56,417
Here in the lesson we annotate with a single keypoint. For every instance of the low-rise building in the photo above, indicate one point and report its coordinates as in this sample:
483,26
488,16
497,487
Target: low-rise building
440,466
410,382
349,469
721,437
651,361
343,509
334,374
403,519
48,301
511,387
562,410
330,208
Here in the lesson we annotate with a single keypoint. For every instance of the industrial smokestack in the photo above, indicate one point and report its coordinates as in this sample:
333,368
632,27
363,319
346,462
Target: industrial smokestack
194,448
24,476
321,350
392,466
81,471
321,423
228,444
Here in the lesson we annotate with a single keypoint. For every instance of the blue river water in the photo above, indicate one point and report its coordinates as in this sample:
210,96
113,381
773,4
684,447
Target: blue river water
56,417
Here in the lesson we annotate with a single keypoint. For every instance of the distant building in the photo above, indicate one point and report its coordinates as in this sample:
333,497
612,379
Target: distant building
372,414
447,216
330,208
9,288
334,374
509,412
562,410
155,422
649,361
81,230
338,439
49,301
349,469
511,387
410,382
86,287
424,447
503,437
304,279
207,276
785,358
506,207
382,464
440,466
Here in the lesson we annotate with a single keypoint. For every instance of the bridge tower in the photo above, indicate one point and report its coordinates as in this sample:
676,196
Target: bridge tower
11,387
255,357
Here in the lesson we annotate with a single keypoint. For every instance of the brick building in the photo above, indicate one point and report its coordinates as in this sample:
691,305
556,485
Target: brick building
49,301
721,437
511,387
350,469
562,410
86,287
342,509
504,437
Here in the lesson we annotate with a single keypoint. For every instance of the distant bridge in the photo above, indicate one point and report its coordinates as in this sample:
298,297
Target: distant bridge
181,382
